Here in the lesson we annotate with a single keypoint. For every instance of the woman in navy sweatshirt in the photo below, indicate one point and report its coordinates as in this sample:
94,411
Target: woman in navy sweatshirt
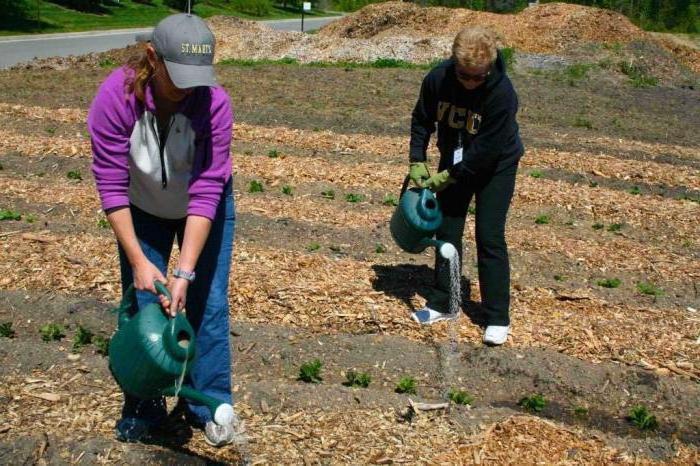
473,102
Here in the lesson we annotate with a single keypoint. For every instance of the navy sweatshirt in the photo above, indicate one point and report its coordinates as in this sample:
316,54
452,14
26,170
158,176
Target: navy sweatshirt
484,119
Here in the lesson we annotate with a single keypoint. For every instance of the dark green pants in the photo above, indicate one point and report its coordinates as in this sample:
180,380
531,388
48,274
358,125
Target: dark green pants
493,196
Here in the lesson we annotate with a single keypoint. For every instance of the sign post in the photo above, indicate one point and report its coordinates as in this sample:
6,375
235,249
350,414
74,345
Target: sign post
305,7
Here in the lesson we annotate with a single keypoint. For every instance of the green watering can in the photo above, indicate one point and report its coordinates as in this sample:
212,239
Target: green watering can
150,354
415,221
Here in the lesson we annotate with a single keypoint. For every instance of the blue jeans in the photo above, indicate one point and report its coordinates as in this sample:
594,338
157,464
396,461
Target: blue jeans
207,304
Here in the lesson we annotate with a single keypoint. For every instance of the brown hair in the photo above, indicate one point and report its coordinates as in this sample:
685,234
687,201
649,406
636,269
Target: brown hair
474,46
137,81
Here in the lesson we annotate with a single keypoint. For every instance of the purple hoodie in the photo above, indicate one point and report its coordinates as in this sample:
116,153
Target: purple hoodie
185,175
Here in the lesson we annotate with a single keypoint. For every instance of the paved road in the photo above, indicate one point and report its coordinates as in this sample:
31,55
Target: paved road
18,49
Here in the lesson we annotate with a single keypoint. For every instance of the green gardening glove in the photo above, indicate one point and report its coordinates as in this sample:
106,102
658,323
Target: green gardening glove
437,183
419,173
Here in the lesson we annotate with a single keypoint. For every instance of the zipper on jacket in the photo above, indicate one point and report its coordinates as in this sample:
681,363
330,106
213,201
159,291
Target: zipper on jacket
162,140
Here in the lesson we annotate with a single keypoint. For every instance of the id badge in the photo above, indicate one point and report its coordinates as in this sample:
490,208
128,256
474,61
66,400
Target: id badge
457,155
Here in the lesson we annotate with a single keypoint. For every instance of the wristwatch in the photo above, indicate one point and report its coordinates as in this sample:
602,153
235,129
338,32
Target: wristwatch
179,273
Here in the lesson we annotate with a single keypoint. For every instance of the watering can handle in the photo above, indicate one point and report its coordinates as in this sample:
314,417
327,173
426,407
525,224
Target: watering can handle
130,295
404,187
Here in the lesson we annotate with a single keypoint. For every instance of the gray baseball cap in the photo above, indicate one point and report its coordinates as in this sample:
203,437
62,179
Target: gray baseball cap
186,45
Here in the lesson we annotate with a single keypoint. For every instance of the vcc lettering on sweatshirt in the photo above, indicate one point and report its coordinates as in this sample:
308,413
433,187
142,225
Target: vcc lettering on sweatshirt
459,117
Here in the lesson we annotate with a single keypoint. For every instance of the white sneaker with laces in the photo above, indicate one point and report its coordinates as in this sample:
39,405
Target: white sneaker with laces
427,316
219,435
496,335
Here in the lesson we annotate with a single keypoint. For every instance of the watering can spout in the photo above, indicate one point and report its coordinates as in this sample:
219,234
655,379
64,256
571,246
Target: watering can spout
221,412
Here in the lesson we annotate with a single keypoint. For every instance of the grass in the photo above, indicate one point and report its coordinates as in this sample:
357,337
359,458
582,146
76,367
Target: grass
638,77
52,332
642,418
472,210
273,154
6,214
580,411
357,379
74,175
390,200
593,184
83,337
124,14
583,122
649,289
615,227
313,247
542,220
379,63
255,186
533,403
102,223
353,197
288,190
406,385
610,283
634,190
460,397
329,194
536,174
6,330
576,72
310,372
508,54
30,218
598,226
380,248
101,345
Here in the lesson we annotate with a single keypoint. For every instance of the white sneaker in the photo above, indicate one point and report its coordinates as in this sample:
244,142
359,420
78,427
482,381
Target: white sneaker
496,335
427,316
219,435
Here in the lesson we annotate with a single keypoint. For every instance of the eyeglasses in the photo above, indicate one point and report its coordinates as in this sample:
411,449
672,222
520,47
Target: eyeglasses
472,77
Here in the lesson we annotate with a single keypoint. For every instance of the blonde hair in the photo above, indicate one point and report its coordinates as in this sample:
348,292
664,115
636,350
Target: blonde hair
137,81
474,46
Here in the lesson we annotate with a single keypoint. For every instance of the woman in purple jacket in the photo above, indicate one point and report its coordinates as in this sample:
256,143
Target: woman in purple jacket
161,133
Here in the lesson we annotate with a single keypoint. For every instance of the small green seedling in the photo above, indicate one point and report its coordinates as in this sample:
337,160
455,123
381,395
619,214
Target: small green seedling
74,175
642,418
330,194
51,130
560,278
471,210
536,174
593,184
615,227
83,337
380,248
335,248
649,289
31,218
580,411
598,226
313,247
390,200
352,197
542,220
6,330
635,190
103,223
273,154
310,372
534,403
357,379
609,283
52,332
6,214
406,385
460,397
255,186
101,344
288,190
583,122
